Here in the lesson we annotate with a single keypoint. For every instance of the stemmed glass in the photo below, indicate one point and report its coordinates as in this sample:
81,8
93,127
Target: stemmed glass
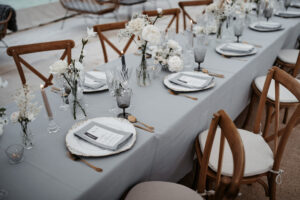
200,51
123,101
268,11
238,29
287,4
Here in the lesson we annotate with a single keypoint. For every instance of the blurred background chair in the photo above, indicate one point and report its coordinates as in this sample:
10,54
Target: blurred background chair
7,21
130,4
16,51
96,7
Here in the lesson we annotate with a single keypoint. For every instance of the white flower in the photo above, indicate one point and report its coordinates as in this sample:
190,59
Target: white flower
3,83
175,64
90,32
173,44
136,26
59,67
151,34
79,66
14,117
159,10
198,30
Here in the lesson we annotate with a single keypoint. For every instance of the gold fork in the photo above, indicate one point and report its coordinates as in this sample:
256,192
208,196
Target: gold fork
187,96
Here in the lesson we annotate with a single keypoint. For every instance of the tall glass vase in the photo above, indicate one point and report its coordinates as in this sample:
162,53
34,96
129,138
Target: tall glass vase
76,101
27,137
143,73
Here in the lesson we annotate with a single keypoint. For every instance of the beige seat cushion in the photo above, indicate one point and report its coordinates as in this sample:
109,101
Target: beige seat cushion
258,155
288,55
157,190
284,94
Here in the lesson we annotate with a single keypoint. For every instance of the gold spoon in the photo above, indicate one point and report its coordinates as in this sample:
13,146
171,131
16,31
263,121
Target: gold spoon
187,96
77,158
133,119
212,74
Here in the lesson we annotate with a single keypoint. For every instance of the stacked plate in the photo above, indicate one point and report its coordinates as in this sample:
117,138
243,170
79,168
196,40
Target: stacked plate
288,14
94,81
188,81
113,128
264,26
295,4
236,49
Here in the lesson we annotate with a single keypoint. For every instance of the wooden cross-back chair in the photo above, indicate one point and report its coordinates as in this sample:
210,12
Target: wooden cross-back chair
185,14
17,51
174,12
260,160
103,39
3,28
210,147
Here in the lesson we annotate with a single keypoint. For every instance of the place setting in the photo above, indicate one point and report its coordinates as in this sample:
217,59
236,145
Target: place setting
288,13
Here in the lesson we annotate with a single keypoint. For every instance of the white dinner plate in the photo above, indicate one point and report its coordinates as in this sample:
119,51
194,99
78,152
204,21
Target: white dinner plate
103,88
178,88
82,148
234,54
292,14
252,26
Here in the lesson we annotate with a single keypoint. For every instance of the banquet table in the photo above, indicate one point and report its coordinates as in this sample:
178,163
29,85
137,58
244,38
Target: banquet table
47,172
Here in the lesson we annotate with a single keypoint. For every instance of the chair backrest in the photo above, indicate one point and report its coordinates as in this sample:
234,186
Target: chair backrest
230,133
3,25
90,6
296,70
285,79
103,39
185,14
17,51
174,12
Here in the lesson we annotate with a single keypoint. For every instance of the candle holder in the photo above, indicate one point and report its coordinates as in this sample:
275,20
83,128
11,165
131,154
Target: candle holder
15,153
52,126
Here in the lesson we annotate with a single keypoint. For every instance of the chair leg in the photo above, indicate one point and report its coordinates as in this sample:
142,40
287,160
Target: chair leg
286,115
196,170
272,187
250,108
268,119
64,19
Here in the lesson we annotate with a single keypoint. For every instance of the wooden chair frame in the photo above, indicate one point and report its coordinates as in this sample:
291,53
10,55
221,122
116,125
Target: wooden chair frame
183,4
280,137
103,39
175,12
230,133
4,30
16,51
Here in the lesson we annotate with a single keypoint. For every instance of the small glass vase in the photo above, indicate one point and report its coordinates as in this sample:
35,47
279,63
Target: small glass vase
27,137
76,102
143,73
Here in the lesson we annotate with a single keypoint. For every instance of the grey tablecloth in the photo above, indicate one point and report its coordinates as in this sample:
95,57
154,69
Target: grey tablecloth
47,173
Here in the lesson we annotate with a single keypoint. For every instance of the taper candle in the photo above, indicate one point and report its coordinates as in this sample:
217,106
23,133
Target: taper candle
46,103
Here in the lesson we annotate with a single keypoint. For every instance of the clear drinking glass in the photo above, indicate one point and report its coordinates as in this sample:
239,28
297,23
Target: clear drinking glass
15,153
238,29
112,83
287,4
123,101
268,12
200,49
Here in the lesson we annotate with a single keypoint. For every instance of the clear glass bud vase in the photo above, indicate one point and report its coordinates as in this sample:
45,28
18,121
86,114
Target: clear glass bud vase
143,73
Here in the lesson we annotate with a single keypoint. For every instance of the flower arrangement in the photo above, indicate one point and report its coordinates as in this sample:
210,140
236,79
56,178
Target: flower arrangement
3,119
28,111
145,32
168,56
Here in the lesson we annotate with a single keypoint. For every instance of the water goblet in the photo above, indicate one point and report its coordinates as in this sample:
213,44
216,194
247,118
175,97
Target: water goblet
238,29
200,51
123,101
268,11
287,4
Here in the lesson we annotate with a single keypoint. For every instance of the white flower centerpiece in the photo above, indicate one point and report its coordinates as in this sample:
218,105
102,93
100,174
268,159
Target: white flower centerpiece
168,55
28,111
3,119
144,31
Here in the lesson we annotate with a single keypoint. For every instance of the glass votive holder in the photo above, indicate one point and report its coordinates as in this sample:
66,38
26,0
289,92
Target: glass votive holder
15,153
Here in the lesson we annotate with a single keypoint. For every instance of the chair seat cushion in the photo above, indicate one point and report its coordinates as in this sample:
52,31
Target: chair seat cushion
258,155
158,190
288,55
285,95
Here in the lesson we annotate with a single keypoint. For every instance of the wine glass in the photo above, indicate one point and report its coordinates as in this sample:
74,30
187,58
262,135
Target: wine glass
200,51
238,29
123,100
287,4
268,11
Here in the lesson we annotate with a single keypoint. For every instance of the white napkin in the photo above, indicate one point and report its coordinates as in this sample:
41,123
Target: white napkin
192,81
94,79
295,4
289,14
268,25
238,47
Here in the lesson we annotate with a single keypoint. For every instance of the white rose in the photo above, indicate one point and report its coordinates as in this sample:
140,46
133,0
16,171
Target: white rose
30,116
175,64
159,10
59,67
90,32
135,26
3,83
14,117
172,44
151,34
79,66
198,30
